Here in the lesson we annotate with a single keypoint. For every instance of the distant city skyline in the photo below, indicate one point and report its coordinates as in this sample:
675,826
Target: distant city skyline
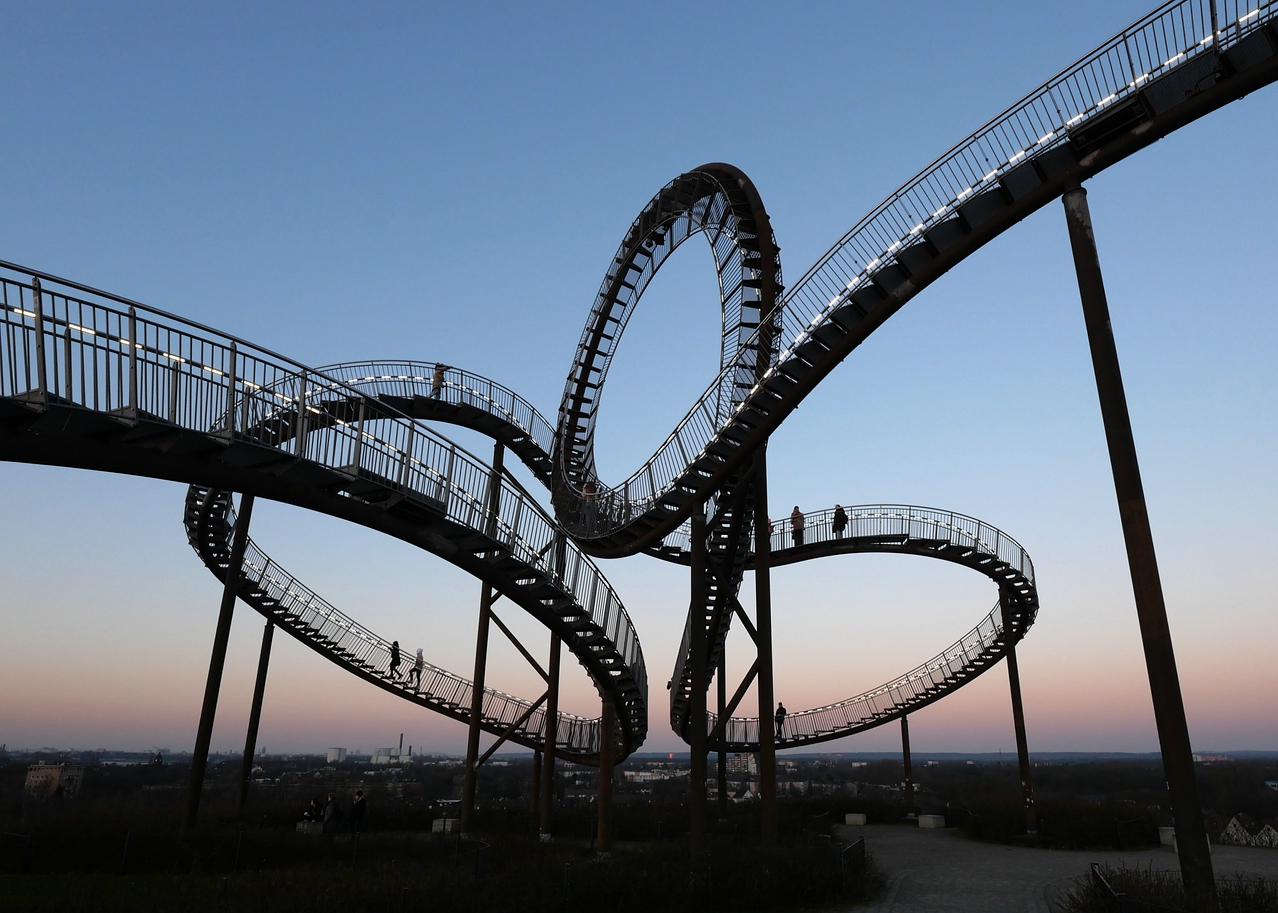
451,184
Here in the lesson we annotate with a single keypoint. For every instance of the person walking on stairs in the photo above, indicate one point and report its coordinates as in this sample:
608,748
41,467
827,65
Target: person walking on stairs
840,522
780,719
796,525
418,663
394,663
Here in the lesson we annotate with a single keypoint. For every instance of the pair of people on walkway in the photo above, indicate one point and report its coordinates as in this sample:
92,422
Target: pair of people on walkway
418,664
798,522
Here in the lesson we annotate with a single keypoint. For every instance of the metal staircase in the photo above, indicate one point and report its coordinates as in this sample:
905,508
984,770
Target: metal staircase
91,380
271,590
1178,63
900,529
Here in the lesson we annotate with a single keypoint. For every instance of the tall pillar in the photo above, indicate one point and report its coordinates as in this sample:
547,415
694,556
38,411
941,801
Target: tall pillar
547,801
204,734
1160,658
697,700
534,803
255,713
471,772
909,770
607,734
1018,720
721,676
763,630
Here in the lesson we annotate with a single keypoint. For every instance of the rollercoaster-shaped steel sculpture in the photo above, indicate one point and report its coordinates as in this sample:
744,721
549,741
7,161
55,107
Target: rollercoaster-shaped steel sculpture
92,380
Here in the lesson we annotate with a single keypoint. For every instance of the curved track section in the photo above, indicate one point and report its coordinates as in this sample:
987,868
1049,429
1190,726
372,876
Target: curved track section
94,381
719,201
97,382
459,398
271,590
1182,61
898,529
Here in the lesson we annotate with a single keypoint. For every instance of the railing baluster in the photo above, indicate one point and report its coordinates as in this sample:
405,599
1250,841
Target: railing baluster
67,385
37,300
230,392
299,419
175,380
133,360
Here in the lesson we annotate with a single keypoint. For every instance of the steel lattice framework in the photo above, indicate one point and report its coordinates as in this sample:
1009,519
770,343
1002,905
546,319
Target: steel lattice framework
93,380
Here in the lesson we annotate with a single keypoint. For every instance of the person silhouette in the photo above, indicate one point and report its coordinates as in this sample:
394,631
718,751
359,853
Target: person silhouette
797,524
394,662
780,719
418,663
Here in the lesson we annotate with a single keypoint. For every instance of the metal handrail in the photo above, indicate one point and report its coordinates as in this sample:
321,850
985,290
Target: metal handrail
57,348
983,642
870,521
305,609
1165,39
458,388
870,525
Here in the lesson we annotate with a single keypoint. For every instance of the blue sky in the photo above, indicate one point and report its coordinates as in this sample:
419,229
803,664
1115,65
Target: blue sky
450,183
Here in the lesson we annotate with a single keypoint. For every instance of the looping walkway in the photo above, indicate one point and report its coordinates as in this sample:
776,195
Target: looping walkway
95,381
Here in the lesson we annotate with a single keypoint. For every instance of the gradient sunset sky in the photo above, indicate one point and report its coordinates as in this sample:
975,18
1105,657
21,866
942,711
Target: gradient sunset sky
339,182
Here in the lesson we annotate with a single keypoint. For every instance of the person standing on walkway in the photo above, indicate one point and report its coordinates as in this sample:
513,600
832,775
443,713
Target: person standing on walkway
840,521
780,719
796,525
394,663
418,663
332,814
358,807
590,493
437,380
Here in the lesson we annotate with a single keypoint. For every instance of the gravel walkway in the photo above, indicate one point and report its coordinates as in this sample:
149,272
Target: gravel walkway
937,871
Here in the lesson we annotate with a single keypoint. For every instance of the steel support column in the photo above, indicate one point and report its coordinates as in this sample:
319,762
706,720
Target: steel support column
909,770
697,699
255,713
1160,658
763,631
721,770
471,773
1018,720
607,735
547,801
204,734
534,801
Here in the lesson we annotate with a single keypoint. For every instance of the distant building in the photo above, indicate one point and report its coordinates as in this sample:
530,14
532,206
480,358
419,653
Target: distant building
649,776
46,781
745,764
336,755
385,756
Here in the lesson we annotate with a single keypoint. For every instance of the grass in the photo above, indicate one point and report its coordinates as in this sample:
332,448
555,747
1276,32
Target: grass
1162,890
508,874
